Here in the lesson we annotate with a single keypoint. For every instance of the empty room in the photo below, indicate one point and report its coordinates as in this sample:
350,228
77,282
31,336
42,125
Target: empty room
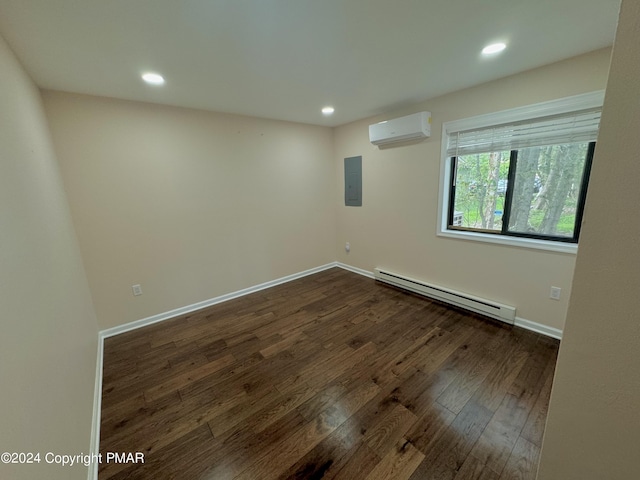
319,240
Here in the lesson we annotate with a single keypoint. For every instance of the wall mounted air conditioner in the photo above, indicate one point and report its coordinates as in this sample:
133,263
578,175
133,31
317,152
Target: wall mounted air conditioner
412,127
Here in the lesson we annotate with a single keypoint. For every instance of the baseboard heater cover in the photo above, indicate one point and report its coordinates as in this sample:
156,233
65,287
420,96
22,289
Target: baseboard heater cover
489,308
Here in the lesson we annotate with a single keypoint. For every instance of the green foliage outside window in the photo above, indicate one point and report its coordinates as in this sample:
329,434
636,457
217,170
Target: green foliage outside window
542,199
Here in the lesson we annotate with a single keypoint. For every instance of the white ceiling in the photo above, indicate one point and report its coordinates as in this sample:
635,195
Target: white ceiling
285,59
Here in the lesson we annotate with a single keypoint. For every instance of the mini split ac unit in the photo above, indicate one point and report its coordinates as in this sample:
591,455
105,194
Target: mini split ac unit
412,127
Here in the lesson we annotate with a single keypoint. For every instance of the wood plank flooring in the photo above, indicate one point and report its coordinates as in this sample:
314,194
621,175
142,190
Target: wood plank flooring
332,376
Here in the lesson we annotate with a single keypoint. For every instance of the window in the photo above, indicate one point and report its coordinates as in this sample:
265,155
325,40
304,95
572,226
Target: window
535,192
520,177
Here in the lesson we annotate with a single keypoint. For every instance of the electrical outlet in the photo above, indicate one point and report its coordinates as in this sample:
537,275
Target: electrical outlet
137,289
347,247
555,293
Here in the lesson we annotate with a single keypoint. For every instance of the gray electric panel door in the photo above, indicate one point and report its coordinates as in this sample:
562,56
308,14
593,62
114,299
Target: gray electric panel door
353,181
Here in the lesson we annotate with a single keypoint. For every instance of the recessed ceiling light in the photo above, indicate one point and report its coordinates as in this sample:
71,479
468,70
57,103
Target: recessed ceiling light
328,110
493,48
153,78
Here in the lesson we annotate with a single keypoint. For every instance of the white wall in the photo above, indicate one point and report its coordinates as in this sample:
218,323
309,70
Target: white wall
593,426
396,226
187,203
49,331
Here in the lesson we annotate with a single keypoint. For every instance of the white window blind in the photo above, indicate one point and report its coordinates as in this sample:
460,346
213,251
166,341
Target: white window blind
581,126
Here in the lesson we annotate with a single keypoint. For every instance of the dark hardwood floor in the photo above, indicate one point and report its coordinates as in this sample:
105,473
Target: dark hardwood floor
332,376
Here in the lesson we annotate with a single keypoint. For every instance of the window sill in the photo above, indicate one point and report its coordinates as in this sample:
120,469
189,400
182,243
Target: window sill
530,243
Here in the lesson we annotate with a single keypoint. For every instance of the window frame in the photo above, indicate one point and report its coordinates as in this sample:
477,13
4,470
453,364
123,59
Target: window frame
508,202
529,112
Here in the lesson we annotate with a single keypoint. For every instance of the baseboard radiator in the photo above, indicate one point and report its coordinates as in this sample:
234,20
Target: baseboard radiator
489,308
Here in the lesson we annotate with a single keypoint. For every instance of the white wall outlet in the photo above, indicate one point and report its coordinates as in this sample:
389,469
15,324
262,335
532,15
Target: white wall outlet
555,293
137,289
347,247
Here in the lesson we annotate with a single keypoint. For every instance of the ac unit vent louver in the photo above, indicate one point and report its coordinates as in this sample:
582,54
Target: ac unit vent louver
412,127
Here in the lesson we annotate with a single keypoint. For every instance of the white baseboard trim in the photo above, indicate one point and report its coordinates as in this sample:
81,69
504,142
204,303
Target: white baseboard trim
357,270
519,322
92,474
538,328
127,327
